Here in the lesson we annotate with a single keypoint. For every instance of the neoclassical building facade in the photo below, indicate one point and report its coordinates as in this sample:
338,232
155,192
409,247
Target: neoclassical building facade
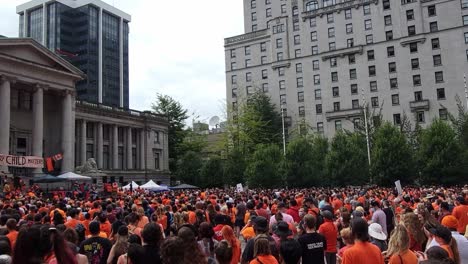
40,117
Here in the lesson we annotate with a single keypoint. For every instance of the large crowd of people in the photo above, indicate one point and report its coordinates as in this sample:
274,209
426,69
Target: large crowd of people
353,225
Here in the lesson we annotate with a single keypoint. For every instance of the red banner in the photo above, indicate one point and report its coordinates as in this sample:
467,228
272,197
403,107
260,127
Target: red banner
21,161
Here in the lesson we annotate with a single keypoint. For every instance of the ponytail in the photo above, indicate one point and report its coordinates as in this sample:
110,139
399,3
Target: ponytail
454,247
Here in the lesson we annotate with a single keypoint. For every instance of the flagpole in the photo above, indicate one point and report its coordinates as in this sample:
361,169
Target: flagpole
367,130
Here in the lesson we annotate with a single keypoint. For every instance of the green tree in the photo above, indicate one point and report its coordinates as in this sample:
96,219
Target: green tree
189,167
439,152
212,173
176,115
264,169
320,149
346,161
234,167
391,156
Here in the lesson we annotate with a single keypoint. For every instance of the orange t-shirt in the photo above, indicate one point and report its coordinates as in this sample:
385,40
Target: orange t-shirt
449,251
248,233
192,217
264,259
236,253
106,228
363,253
461,213
406,258
328,230
72,223
12,236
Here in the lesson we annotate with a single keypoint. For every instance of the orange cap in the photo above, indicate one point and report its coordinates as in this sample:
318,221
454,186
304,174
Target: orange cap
450,222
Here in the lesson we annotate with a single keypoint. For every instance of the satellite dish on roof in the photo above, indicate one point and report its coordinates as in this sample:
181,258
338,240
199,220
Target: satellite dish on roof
214,121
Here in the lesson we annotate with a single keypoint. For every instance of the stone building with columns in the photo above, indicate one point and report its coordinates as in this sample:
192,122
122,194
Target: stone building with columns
39,116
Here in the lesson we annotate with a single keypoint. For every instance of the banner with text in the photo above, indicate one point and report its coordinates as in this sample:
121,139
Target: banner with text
21,161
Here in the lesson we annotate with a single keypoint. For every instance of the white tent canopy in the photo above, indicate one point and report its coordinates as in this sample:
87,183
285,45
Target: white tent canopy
152,186
133,184
74,177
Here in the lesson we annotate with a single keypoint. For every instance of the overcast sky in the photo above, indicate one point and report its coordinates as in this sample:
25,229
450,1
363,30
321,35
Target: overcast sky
176,48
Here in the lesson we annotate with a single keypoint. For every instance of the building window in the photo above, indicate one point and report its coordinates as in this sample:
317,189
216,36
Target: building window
265,87
366,9
248,63
233,53
355,103
320,127
332,46
264,74
301,111
464,3
420,117
234,79
248,76
333,62
395,99
268,12
263,60
433,26
393,83
391,67
297,40
370,55
372,70
295,11
390,51
299,82
396,119
253,4
413,47
443,114
351,59
348,14
465,20
367,24
410,14
89,151
334,76
331,32
318,108
336,106
315,65
411,30
263,47
349,28
373,86
375,101
437,59
440,94
297,53
90,130
389,35
466,37
415,64
296,26
313,36
254,16
298,67
418,96
388,20
439,77
318,94
314,50
352,74
336,92
354,88
350,43
254,27
120,157
369,39
431,10
279,56
312,22
234,92
249,90
283,99
338,126
467,54
282,84
330,18
316,79
435,43
281,71
300,96
233,66
386,4
279,43
283,9
267,2
416,80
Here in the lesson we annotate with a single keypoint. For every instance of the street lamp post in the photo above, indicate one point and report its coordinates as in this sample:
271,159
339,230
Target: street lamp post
466,91
367,130
284,134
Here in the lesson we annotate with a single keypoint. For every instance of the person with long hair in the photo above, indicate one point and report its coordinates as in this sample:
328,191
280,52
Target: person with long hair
207,243
133,228
152,236
120,246
172,252
234,243
71,236
223,253
262,251
192,253
443,236
398,248
415,229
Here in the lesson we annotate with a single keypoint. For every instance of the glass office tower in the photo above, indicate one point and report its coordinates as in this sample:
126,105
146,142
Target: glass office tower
92,35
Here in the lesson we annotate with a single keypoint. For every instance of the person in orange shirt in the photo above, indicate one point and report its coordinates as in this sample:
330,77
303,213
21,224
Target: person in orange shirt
263,252
363,252
104,225
443,236
328,230
461,213
85,223
12,233
73,220
234,243
398,247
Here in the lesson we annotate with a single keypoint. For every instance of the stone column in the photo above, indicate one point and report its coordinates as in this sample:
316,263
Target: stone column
38,124
67,134
83,142
142,149
4,119
129,148
99,145
115,147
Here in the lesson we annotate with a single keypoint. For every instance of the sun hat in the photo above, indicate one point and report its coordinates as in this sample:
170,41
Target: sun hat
282,229
375,231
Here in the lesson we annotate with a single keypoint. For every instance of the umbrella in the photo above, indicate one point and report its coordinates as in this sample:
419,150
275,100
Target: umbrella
184,186
47,179
74,177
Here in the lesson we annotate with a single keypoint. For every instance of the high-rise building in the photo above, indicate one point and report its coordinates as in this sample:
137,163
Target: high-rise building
322,61
92,35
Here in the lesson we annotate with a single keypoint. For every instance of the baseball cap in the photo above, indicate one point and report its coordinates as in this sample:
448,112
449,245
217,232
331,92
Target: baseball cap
260,223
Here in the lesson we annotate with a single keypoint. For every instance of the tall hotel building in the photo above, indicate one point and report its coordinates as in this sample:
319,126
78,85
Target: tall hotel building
321,61
90,34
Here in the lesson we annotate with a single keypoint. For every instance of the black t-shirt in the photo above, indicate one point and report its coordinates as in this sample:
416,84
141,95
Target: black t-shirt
96,249
313,247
